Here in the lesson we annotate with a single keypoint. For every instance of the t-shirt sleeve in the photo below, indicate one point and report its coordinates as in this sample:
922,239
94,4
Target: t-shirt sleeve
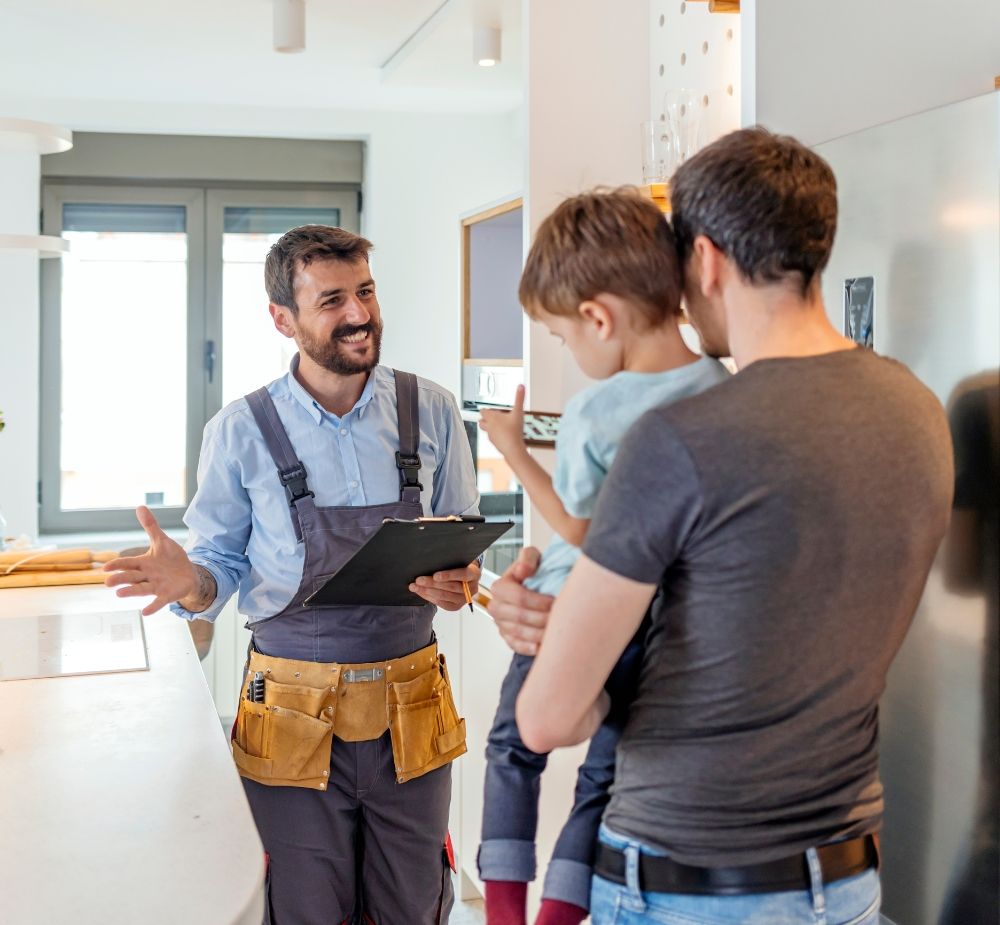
580,471
649,504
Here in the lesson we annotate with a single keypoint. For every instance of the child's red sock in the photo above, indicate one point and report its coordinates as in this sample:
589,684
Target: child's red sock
506,902
556,912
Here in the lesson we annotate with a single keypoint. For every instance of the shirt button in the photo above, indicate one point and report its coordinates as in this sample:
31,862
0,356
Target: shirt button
343,431
354,484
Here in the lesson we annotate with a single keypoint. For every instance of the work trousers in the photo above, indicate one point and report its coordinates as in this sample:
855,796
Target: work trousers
365,851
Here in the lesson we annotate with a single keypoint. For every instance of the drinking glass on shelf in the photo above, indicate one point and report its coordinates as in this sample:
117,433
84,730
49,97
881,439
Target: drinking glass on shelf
682,109
656,153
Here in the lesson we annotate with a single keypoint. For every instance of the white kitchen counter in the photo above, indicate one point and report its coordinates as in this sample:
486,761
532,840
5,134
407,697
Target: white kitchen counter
119,800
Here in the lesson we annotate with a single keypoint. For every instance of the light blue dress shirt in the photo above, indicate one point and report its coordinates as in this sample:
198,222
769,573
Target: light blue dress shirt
239,521
590,432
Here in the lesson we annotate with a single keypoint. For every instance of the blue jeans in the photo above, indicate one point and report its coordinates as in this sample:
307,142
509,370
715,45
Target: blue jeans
513,775
851,901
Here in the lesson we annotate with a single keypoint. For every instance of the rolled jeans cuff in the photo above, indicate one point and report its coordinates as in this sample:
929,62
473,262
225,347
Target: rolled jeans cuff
507,859
568,881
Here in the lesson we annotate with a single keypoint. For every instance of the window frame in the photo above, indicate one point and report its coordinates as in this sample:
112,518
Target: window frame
205,203
52,517
217,199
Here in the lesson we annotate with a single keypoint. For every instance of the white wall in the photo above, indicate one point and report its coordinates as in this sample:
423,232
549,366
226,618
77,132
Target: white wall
422,172
821,71
19,172
693,49
587,85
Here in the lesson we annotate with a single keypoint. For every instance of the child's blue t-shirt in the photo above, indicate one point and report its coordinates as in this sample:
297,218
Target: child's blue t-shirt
590,432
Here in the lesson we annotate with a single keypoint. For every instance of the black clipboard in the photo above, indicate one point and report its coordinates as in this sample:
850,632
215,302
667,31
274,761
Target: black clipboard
380,572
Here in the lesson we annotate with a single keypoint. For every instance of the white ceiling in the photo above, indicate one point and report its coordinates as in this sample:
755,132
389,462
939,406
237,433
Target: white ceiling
219,51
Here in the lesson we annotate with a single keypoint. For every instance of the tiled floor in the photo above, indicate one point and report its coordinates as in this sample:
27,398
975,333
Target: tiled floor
470,913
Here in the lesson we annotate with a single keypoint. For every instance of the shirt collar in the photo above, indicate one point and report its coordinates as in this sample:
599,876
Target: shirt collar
313,408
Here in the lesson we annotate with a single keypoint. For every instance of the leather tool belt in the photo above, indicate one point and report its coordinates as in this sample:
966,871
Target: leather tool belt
285,740
664,875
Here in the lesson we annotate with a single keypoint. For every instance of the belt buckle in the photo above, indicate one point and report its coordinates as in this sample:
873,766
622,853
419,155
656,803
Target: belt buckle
354,675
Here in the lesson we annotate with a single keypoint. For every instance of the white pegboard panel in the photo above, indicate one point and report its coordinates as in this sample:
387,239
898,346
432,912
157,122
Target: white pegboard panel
693,49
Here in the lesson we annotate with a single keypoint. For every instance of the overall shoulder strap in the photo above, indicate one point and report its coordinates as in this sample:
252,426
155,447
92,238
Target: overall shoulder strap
291,472
408,454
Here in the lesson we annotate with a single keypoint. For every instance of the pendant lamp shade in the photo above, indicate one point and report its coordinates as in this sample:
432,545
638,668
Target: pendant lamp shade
486,46
289,25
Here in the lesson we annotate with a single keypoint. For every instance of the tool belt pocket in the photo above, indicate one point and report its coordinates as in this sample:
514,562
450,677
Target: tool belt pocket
285,741
424,724
308,700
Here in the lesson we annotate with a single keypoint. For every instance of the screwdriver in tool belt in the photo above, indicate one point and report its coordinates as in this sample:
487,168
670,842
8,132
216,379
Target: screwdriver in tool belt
255,689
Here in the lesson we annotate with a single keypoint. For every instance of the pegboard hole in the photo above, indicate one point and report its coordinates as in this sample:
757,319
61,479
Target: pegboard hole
704,48
663,117
684,7
661,70
729,89
704,100
663,19
729,32
684,58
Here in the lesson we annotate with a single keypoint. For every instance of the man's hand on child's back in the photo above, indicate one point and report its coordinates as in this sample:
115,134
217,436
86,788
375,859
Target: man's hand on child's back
520,614
506,428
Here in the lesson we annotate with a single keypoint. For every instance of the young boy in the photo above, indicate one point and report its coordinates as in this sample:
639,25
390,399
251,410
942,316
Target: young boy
603,276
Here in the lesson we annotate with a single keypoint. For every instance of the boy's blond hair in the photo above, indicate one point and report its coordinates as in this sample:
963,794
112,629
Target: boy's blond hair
605,241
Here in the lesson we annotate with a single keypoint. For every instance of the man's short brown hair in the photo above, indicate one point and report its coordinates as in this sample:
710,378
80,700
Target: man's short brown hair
766,201
606,241
300,247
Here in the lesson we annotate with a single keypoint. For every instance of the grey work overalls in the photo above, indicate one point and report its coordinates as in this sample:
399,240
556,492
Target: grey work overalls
367,849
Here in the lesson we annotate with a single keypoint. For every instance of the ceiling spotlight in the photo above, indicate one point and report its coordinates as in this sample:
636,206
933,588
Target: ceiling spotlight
289,25
486,46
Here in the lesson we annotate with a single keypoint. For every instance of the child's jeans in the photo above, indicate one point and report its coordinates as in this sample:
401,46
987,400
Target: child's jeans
513,773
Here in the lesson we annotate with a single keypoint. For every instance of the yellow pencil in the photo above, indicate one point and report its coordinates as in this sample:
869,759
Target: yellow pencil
468,594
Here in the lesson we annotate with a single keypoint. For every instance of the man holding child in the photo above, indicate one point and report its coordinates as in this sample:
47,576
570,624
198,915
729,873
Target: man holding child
746,786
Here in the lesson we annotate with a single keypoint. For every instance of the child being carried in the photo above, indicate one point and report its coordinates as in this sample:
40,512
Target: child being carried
602,276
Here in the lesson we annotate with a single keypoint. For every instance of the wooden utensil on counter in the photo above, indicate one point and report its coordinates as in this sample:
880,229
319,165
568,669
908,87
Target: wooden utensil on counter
26,568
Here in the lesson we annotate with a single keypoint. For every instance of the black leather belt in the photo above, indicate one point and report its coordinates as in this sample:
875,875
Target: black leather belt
663,875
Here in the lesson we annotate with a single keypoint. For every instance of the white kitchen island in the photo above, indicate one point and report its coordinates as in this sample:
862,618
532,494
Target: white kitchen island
119,800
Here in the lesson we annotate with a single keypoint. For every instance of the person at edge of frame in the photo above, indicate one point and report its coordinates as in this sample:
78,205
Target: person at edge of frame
349,788
746,782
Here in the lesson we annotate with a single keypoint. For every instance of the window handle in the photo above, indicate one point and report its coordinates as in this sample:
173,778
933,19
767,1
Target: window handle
210,359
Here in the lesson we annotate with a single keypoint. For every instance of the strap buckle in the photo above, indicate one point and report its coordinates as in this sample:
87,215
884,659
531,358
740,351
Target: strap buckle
354,675
409,464
294,481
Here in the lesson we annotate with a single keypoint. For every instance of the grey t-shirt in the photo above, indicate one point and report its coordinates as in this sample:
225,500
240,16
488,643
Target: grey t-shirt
790,515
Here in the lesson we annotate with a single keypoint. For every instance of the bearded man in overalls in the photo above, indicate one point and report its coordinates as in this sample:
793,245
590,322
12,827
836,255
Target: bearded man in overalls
345,741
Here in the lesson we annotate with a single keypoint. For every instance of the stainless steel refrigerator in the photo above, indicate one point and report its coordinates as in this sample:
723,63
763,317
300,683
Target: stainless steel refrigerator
915,272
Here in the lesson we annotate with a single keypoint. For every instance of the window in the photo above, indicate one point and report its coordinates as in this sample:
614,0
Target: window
155,320
247,234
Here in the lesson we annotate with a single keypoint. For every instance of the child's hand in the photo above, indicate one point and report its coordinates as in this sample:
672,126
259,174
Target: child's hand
506,428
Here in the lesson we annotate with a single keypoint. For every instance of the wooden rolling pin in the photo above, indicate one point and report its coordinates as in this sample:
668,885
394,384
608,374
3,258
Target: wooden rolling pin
52,560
